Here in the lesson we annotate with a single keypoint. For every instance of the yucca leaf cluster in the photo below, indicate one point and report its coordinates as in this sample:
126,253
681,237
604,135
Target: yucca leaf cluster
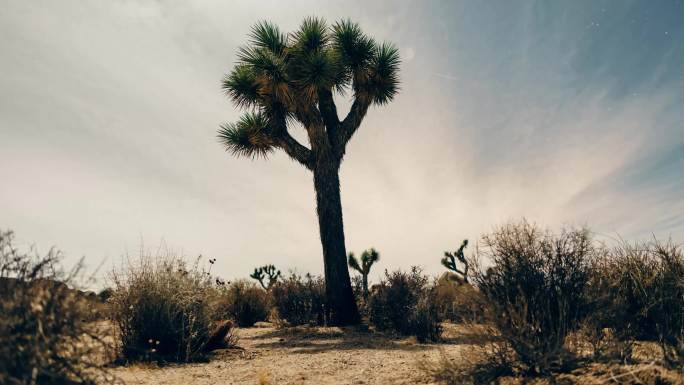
281,78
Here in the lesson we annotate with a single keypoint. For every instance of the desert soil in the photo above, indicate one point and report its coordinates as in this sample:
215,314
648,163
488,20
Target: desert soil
305,356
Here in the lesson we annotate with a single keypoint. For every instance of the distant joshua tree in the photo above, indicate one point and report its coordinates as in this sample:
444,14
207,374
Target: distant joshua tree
287,79
449,261
368,258
266,271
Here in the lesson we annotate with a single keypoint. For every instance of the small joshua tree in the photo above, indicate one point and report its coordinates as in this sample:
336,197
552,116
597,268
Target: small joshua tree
368,258
266,271
450,259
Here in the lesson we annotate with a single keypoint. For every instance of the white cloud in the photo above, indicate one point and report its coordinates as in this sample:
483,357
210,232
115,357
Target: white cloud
108,114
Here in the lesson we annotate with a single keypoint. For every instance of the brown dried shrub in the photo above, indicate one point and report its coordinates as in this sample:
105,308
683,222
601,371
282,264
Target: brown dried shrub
45,336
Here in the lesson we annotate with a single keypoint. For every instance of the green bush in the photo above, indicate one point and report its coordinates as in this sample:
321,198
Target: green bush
44,337
405,303
536,289
164,309
300,300
244,302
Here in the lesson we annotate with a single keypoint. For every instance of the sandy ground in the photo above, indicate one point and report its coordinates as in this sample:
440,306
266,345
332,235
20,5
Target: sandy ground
305,356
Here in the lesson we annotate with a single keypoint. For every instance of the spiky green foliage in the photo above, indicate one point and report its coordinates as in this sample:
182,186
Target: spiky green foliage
356,49
449,261
240,85
248,137
262,273
368,258
267,36
279,77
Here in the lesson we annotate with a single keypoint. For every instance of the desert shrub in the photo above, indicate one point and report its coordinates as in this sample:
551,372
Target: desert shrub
44,338
404,303
639,289
483,362
535,289
425,323
459,302
244,302
357,289
300,300
104,294
164,308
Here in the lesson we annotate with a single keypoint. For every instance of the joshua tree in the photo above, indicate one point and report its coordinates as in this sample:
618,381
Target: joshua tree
284,79
368,258
449,261
262,272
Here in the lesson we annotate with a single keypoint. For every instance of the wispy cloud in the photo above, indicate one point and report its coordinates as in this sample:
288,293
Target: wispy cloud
444,76
108,115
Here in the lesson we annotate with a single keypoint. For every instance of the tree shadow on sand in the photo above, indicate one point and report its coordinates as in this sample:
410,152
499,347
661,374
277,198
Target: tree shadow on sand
310,340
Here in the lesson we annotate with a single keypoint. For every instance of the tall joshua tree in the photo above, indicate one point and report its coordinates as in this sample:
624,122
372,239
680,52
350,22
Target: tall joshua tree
368,258
283,79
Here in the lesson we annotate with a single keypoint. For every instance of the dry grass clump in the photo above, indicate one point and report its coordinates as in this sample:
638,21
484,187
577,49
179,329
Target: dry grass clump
639,289
536,289
459,302
568,311
483,363
45,339
405,303
475,369
164,309
300,300
244,302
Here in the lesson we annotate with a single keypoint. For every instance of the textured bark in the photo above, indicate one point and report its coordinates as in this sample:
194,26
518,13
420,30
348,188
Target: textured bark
341,303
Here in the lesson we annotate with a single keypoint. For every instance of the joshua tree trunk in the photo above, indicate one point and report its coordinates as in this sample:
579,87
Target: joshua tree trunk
341,303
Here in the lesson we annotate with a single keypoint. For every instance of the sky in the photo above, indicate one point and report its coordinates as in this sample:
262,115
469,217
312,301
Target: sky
564,113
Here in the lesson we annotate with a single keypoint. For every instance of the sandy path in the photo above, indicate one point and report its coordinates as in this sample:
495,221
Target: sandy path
302,356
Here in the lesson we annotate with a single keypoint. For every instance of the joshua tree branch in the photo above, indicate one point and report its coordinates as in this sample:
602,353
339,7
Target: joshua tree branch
449,261
283,139
312,120
352,122
328,109
354,263
295,150
326,105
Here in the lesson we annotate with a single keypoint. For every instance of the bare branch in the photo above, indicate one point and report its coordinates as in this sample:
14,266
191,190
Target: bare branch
328,109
